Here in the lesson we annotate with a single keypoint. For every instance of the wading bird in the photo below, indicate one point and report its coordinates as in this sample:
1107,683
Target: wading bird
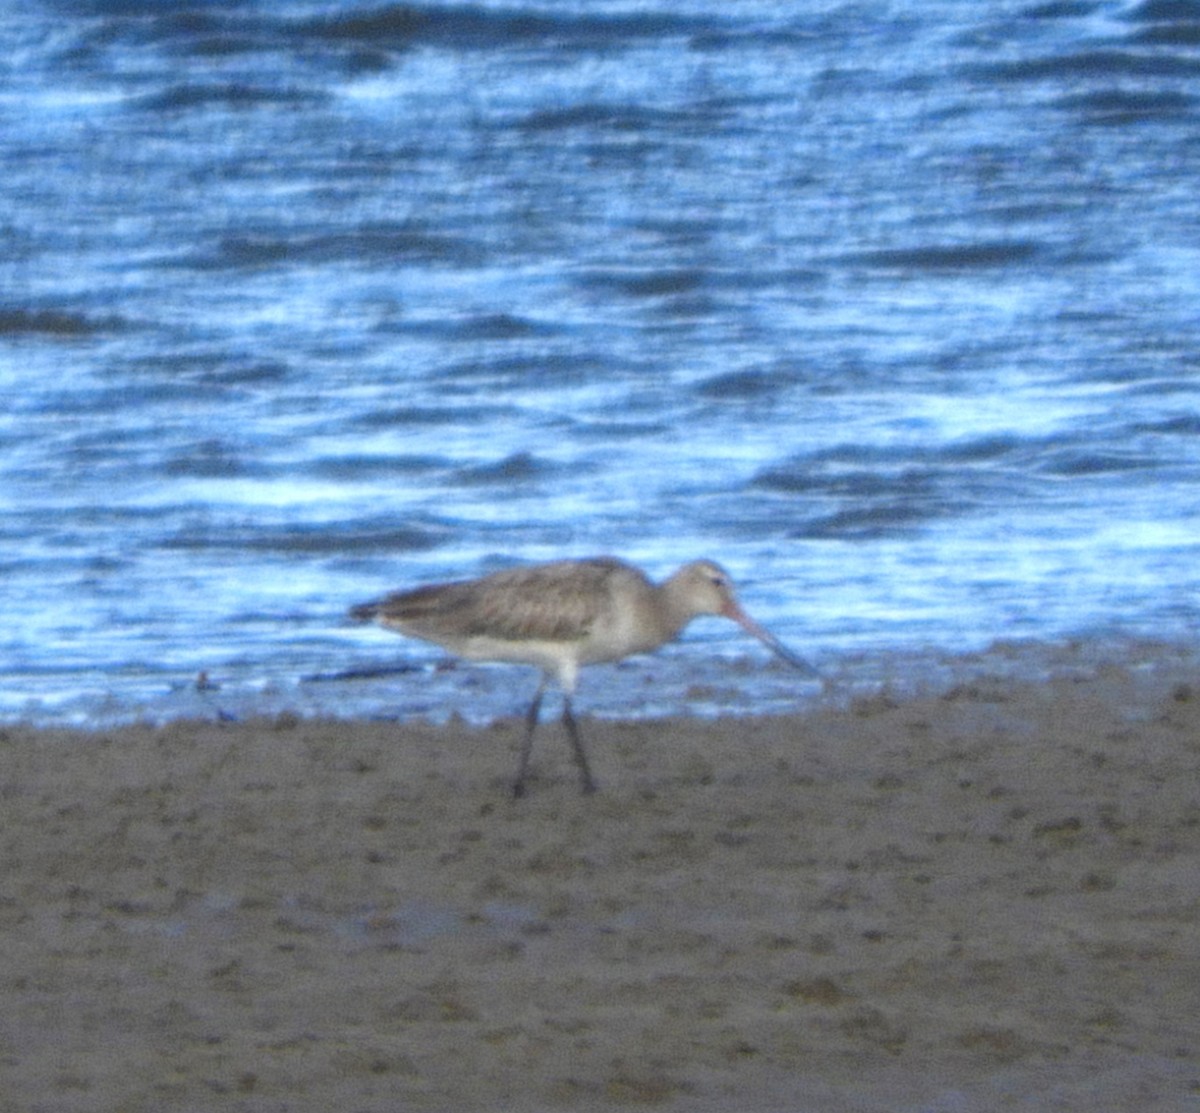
560,616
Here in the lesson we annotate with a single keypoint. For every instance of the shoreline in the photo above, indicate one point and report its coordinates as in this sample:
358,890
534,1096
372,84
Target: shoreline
963,900
683,680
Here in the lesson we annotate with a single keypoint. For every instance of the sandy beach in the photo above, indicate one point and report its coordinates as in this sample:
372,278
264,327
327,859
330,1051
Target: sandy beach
981,898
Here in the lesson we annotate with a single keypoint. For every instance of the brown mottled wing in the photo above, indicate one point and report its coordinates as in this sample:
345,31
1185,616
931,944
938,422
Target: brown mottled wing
558,601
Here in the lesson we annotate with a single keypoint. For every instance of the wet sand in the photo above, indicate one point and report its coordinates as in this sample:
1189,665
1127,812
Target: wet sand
985,898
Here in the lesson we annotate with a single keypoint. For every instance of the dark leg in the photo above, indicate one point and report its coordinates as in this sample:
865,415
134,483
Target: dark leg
531,720
585,773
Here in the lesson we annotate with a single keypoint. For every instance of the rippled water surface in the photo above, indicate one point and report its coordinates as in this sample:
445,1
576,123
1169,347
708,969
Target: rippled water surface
891,308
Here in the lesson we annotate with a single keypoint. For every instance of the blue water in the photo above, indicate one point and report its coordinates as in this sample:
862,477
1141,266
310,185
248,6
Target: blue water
892,308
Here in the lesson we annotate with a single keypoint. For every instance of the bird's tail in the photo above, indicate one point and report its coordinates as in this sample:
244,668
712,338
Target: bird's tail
364,612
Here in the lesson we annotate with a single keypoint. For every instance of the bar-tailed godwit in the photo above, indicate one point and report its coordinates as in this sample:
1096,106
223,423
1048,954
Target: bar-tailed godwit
561,616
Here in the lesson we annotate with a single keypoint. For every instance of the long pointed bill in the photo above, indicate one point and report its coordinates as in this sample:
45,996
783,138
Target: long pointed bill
732,610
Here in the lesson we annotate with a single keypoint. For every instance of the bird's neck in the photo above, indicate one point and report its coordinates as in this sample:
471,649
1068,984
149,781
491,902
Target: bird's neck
675,610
